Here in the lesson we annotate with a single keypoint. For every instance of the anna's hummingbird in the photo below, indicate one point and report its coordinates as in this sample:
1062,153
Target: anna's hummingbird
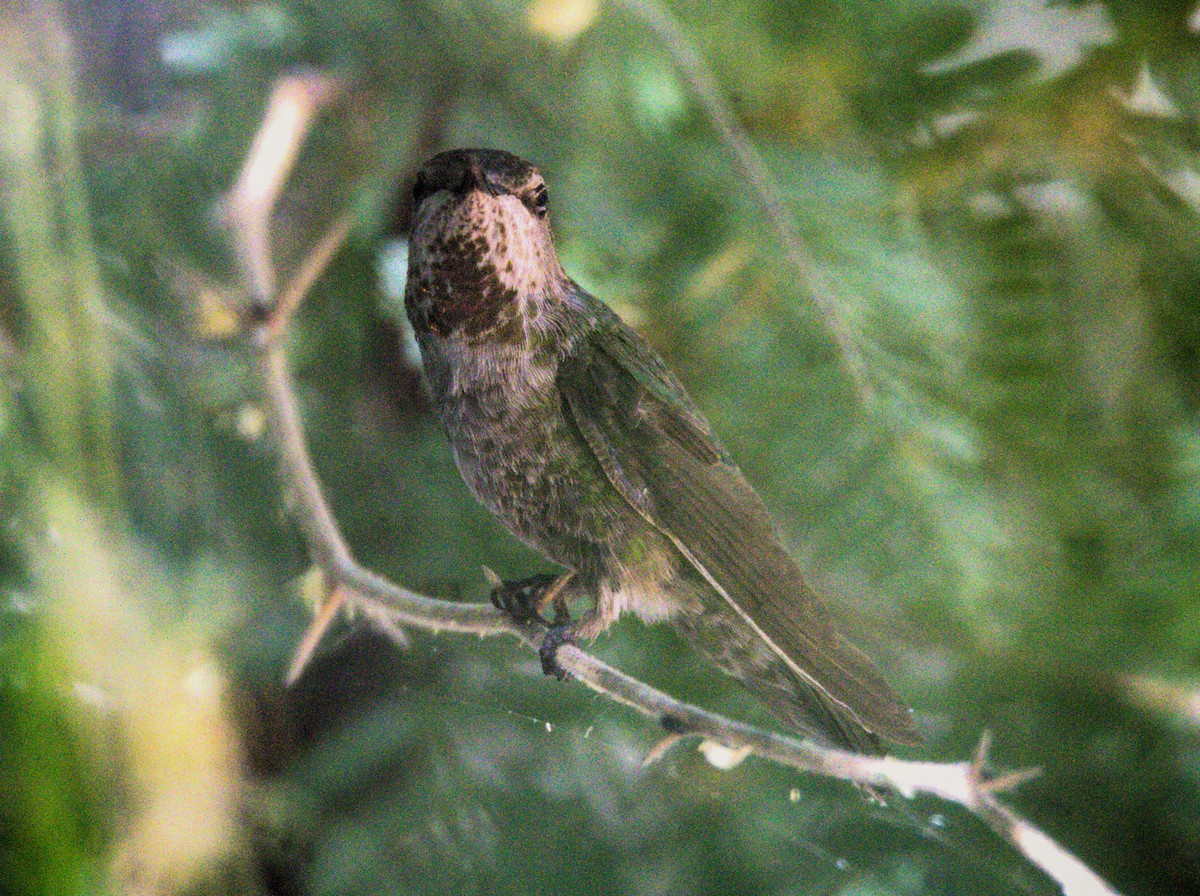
573,432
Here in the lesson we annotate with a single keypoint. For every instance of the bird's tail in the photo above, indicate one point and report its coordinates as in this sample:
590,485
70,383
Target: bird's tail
728,641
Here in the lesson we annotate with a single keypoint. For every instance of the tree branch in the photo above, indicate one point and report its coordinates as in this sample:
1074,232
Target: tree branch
390,605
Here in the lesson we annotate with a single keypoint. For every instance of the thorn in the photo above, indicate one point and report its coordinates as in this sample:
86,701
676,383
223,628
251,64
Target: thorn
1001,783
980,756
660,749
384,623
312,637
1011,781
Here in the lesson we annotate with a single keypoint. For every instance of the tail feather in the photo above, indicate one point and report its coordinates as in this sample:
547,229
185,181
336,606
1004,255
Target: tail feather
736,649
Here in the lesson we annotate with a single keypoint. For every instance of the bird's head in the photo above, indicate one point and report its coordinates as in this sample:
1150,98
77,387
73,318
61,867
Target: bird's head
481,245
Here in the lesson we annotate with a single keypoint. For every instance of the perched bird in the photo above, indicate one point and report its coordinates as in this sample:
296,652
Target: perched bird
573,432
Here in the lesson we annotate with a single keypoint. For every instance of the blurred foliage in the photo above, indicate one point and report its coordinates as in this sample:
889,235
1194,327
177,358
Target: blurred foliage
1004,196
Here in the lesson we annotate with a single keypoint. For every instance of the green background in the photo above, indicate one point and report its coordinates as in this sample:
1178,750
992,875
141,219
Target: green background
1005,200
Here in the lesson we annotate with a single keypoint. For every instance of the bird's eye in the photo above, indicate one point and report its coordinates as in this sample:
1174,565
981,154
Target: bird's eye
537,200
421,188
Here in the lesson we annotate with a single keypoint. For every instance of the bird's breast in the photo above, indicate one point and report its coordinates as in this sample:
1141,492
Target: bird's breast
518,451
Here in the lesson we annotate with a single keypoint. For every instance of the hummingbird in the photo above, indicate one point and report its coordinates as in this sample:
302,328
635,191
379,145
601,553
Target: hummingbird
573,432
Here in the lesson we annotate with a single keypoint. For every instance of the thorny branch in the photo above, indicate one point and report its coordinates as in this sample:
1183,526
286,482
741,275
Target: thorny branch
390,606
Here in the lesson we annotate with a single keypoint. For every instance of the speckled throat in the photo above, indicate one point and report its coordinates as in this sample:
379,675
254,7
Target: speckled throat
457,286
475,260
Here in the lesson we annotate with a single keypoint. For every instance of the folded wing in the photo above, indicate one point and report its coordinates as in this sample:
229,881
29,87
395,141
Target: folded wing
659,452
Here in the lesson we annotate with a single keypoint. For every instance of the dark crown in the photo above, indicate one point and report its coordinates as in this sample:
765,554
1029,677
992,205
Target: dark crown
460,170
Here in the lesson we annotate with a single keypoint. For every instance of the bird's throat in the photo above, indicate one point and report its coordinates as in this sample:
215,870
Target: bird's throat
458,289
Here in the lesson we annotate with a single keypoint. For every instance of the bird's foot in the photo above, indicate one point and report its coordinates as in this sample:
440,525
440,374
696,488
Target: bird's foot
521,599
526,599
556,637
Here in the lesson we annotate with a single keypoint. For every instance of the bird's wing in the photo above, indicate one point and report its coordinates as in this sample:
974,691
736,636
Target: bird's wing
659,452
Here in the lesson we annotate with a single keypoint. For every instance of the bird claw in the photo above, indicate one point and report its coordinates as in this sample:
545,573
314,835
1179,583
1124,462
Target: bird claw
556,637
525,599
522,599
